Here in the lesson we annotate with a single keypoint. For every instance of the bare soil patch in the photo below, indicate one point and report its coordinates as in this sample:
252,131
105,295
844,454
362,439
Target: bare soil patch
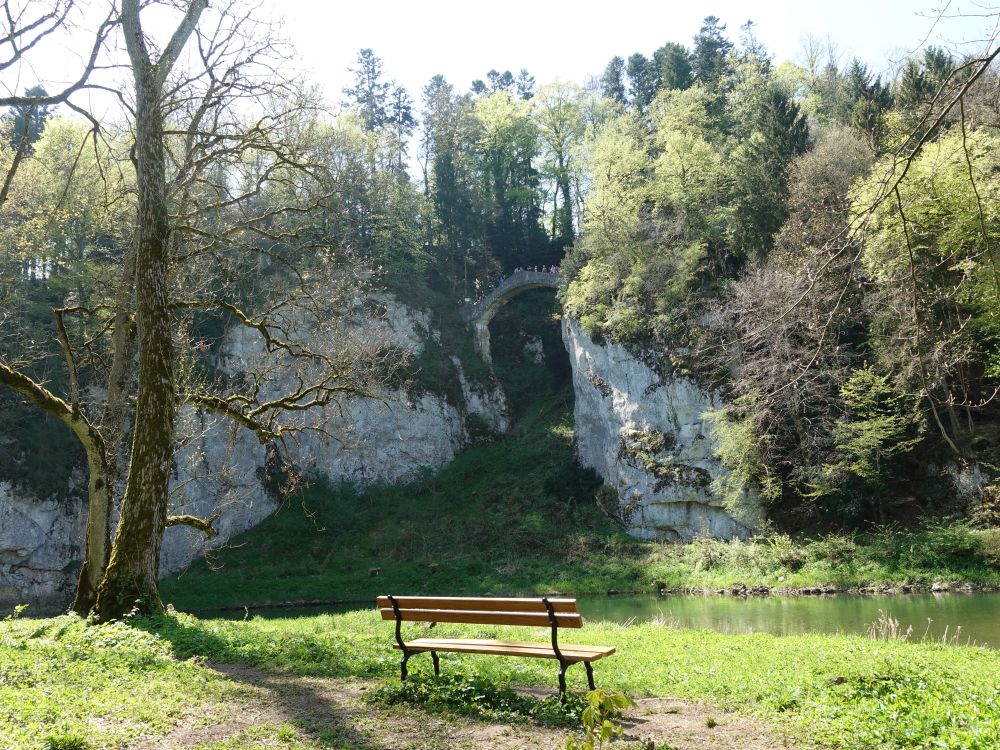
335,713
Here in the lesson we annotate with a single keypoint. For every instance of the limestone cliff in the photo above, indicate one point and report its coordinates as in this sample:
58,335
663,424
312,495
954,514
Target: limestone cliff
646,436
391,438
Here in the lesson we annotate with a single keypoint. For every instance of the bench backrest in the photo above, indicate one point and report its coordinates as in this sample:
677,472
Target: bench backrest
481,610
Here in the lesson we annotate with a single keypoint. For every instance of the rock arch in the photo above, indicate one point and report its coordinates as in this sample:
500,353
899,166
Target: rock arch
479,314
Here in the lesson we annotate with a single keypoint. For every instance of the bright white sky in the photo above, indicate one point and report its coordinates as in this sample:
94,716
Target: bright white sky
564,40
570,41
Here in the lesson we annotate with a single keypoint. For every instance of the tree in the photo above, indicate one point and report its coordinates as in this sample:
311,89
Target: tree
931,252
27,120
370,93
454,186
778,133
673,66
613,81
793,327
133,569
643,81
880,426
525,84
710,53
507,146
866,100
222,194
401,122
495,81
561,127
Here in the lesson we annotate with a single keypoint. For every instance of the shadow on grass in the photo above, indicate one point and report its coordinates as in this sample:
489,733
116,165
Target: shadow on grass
286,697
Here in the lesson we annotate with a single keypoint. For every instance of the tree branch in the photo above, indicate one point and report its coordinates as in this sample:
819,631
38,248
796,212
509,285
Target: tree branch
202,524
181,34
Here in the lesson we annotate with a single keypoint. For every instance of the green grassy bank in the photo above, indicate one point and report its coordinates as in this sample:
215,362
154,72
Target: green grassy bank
62,682
518,516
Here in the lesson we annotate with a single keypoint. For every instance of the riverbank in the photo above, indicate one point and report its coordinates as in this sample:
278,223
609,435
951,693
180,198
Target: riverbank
189,682
517,516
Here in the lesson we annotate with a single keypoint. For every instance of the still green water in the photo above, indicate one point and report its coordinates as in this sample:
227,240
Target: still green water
962,618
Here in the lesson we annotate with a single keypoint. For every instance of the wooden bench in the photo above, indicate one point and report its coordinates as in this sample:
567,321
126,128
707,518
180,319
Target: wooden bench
543,612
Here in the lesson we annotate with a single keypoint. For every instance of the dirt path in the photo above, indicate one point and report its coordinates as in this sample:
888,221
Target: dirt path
305,712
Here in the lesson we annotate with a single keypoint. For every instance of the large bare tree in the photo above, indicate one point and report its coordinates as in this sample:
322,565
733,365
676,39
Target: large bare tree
228,180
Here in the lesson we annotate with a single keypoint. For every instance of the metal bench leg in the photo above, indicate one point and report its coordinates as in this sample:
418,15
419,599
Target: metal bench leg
563,666
590,675
437,663
402,666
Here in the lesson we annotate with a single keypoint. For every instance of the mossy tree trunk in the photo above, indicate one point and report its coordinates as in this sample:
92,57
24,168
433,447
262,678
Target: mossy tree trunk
130,581
96,546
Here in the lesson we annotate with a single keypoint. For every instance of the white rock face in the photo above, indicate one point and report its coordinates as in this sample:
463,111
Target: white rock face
40,544
219,469
647,438
489,405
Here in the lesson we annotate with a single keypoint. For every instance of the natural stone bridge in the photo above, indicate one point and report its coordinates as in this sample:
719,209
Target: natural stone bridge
480,313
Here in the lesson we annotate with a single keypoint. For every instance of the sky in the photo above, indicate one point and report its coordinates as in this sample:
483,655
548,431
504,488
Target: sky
570,41
560,40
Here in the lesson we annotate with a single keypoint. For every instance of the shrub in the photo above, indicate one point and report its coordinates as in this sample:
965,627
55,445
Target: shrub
989,546
987,511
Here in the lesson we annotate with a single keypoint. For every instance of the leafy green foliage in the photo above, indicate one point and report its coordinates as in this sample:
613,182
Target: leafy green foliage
599,729
881,425
65,741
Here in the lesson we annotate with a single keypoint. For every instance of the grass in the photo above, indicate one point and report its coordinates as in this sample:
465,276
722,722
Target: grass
62,682
62,679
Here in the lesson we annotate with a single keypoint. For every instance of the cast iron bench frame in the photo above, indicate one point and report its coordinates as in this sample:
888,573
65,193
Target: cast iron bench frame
546,612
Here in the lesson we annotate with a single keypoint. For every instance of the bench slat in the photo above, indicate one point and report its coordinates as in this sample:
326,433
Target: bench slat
483,617
479,604
570,652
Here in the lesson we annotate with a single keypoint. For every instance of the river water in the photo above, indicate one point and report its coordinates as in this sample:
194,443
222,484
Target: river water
962,618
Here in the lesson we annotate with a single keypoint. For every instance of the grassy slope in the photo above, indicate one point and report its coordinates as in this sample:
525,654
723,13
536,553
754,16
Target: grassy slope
103,684
516,516
512,516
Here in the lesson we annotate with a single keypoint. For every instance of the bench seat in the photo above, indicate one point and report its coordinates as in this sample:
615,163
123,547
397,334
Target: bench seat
570,653
532,612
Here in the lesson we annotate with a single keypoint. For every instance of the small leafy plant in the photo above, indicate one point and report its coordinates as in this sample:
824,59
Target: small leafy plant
598,726
18,611
65,741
